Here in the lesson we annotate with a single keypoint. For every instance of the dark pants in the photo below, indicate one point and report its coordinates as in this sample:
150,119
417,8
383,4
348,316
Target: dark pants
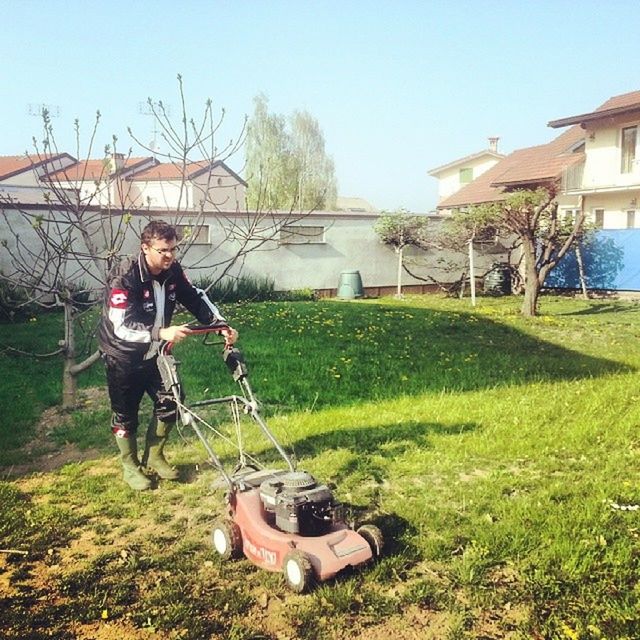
128,382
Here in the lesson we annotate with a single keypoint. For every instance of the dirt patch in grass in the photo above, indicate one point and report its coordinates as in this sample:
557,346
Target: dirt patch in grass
41,454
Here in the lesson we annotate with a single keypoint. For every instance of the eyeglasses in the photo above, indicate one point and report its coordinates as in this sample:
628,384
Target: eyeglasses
166,252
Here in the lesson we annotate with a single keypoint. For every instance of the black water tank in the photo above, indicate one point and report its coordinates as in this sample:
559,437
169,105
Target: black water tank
498,281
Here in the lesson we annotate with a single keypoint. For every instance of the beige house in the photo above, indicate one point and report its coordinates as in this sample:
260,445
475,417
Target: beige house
606,182
459,173
119,181
210,186
596,162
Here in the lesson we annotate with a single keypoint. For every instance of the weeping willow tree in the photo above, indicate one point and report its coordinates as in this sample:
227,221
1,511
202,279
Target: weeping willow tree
287,165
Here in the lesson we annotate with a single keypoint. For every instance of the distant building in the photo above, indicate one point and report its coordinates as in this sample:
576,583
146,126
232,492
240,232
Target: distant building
606,179
596,163
455,175
356,205
117,180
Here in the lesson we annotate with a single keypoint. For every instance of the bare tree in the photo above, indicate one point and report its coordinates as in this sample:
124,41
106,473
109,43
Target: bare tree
59,247
62,238
192,148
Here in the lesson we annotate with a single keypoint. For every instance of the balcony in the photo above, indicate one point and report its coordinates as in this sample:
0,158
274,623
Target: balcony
573,176
575,180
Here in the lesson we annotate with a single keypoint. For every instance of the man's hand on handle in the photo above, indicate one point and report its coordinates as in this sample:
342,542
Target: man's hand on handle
174,333
230,336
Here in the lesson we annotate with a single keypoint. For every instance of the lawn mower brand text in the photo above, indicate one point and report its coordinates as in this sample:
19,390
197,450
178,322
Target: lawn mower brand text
263,555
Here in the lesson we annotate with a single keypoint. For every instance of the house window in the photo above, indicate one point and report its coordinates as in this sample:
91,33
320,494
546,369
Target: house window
193,234
466,175
599,218
631,219
628,148
301,234
569,216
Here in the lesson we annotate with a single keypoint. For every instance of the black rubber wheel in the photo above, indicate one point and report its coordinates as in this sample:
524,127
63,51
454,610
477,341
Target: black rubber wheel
298,572
374,538
226,539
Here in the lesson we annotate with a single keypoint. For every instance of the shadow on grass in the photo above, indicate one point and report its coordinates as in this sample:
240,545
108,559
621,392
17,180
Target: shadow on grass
316,355
330,354
603,307
389,440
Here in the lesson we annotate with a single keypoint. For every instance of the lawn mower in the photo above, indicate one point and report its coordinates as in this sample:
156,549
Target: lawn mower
283,520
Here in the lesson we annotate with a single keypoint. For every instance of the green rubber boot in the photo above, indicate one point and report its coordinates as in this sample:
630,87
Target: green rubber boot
132,474
153,457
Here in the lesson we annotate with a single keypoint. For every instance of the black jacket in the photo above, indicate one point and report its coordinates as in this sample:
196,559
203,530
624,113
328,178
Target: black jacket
137,305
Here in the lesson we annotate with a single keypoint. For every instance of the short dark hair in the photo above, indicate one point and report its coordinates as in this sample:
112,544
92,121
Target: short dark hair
158,230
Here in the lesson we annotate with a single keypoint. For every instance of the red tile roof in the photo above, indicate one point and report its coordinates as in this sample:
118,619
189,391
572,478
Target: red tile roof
90,170
14,165
618,105
529,166
631,99
171,171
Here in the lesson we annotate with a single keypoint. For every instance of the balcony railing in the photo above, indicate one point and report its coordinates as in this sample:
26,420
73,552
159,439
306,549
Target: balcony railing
572,177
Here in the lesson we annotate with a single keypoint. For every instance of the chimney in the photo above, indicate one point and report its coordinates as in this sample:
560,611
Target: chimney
493,144
115,162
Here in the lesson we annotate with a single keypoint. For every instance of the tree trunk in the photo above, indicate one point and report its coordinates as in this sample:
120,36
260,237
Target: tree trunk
472,274
531,280
583,278
400,260
69,378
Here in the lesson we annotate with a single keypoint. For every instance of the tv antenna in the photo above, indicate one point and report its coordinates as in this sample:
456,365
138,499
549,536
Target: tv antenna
153,109
38,110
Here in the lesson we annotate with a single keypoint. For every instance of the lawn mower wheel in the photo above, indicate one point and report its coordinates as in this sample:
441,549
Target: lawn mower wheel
226,539
298,572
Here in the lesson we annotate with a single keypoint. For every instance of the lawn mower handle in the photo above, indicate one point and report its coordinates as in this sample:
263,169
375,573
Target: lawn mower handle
217,326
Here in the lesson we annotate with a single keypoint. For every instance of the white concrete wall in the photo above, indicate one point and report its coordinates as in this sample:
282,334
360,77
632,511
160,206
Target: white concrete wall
350,243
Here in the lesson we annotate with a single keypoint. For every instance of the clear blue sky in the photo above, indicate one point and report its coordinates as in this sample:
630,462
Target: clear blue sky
399,87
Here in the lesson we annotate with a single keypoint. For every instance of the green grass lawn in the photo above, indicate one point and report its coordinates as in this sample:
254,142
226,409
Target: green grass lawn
493,451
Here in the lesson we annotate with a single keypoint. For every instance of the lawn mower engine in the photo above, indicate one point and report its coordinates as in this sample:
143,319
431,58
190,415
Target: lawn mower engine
295,503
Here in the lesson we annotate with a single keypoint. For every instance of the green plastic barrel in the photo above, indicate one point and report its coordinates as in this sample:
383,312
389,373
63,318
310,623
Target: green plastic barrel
350,285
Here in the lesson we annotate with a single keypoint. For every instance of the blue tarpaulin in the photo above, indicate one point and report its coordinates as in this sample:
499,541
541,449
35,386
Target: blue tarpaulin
611,259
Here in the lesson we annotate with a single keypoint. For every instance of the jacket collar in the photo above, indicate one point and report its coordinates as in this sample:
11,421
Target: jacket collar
146,275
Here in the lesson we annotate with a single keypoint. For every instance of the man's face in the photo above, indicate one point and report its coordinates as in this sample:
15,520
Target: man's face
159,254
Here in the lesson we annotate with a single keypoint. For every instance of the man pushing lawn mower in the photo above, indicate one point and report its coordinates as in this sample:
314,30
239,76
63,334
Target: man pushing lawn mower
139,304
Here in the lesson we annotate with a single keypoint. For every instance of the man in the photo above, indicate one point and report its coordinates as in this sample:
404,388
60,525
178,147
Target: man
141,297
